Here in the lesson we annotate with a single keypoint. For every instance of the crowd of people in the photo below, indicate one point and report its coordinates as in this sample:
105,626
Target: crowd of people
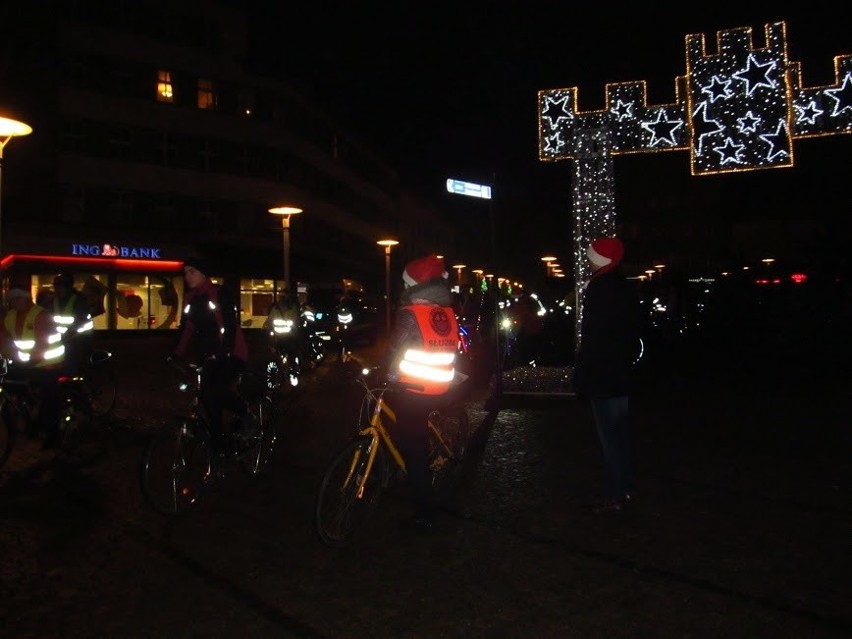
420,366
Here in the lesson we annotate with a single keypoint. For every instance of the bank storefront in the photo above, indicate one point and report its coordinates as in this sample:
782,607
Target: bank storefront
129,287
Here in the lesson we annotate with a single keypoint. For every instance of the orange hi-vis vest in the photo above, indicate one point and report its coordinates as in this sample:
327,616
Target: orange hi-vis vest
430,367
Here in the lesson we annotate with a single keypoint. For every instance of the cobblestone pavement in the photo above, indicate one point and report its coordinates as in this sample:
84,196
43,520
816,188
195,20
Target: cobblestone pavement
741,526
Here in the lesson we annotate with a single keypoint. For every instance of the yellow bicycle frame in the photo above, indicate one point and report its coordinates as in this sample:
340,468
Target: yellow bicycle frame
380,435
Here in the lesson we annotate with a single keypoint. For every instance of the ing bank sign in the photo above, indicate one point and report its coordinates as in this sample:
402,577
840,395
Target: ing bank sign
113,250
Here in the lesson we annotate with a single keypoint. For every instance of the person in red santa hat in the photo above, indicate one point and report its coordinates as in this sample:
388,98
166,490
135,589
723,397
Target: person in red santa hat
609,346
421,356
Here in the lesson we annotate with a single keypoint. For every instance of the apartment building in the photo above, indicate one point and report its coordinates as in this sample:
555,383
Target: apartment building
153,140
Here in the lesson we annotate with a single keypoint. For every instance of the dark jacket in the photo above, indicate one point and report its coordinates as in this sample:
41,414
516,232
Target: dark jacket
609,337
210,331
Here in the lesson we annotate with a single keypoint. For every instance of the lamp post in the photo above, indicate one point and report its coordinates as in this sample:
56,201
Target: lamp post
387,244
547,259
459,268
9,129
285,212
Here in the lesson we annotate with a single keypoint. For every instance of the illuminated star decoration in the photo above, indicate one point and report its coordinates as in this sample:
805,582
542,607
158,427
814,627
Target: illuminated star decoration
622,110
748,123
555,110
808,113
718,88
729,151
756,74
703,127
842,97
553,143
662,130
777,139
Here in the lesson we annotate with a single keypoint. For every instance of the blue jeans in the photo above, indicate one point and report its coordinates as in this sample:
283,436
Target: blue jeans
613,426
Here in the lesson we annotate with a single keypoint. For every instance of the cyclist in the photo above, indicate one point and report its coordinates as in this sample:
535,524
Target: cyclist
421,356
34,346
210,333
73,320
284,325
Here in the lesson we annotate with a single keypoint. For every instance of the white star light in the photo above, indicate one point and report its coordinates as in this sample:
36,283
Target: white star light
718,88
808,113
846,87
667,127
702,107
729,152
772,140
751,78
552,114
622,110
748,123
550,140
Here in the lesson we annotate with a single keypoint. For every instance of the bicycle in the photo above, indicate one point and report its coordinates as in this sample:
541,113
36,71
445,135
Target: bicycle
361,470
86,397
178,462
90,395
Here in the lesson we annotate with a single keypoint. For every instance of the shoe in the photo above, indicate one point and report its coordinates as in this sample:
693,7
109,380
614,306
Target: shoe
605,506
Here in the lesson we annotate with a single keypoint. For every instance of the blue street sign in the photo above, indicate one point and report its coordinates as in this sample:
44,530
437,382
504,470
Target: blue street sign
469,188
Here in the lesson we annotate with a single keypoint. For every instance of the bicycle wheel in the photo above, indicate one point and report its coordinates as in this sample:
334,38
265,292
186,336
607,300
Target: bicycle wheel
340,510
176,467
256,450
447,452
100,386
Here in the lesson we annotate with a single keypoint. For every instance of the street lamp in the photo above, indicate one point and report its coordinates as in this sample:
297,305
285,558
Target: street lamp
285,212
387,244
9,129
459,268
547,259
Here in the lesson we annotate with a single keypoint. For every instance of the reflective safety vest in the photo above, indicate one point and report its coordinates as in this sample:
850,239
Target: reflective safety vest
64,317
430,366
26,341
284,321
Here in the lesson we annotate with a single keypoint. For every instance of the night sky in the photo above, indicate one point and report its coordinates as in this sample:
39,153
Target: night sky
449,90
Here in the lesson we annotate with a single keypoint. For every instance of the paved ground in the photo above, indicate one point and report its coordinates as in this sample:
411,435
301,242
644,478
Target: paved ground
741,526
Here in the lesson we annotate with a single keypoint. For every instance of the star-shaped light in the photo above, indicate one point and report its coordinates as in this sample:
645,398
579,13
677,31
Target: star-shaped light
842,97
552,143
756,74
555,110
729,151
704,127
777,141
717,89
622,110
808,113
748,123
662,130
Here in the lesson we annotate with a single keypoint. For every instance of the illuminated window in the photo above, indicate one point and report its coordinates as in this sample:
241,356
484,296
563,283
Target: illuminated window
165,90
206,97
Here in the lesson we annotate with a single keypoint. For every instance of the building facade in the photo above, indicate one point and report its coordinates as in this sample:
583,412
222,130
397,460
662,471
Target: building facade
153,140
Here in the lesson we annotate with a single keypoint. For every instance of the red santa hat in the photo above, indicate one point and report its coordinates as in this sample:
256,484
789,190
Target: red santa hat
426,268
605,253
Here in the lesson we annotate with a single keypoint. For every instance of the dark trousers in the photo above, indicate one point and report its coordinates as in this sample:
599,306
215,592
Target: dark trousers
411,433
219,392
44,383
613,426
